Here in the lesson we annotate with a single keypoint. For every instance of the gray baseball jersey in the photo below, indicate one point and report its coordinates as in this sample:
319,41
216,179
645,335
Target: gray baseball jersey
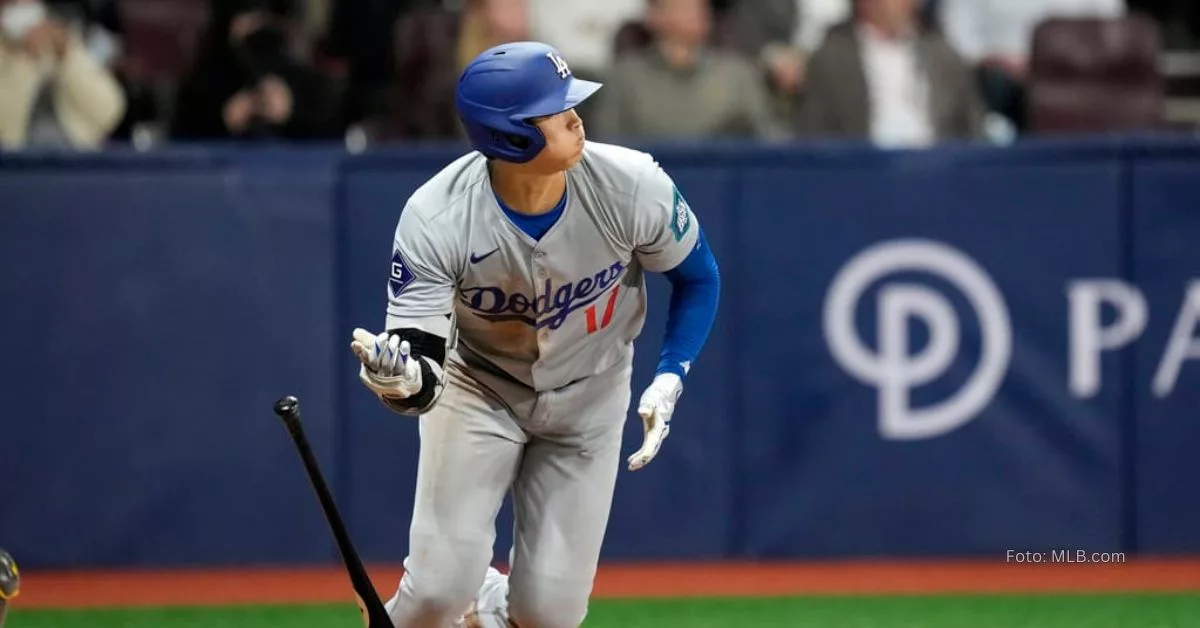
545,312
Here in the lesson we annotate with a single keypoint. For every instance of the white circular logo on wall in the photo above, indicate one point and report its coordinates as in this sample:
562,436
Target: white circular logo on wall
893,370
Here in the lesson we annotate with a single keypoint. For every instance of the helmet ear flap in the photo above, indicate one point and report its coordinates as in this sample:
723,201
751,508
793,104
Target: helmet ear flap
510,145
519,141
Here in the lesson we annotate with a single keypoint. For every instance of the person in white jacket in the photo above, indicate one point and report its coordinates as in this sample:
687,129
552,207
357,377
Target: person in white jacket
52,93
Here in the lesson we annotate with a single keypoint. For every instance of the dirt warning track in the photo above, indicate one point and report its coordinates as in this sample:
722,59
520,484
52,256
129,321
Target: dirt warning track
133,588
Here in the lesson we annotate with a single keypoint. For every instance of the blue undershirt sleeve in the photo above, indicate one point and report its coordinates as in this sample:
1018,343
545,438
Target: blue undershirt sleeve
695,293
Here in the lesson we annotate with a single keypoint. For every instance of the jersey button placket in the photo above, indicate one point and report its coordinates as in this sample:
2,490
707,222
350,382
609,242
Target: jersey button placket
544,333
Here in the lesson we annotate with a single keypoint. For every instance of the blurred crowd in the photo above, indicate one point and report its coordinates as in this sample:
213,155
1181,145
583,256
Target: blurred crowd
80,74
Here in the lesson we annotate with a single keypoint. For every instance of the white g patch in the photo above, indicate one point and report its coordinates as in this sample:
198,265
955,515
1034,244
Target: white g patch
400,276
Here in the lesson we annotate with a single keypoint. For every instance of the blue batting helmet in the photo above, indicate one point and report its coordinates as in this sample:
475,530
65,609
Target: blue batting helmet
505,86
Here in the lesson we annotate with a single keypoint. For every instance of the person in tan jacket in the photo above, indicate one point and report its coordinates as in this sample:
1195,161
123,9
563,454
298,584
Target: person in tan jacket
882,76
682,86
52,93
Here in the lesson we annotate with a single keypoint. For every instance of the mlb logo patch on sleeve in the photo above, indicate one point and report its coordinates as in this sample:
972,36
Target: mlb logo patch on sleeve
681,216
400,277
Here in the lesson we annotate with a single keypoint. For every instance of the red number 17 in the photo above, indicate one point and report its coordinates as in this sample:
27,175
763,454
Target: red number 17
608,312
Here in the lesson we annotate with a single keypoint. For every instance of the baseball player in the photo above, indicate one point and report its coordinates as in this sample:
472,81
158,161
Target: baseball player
515,294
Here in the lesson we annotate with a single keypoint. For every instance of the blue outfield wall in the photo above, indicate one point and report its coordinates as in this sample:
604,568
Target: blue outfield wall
954,352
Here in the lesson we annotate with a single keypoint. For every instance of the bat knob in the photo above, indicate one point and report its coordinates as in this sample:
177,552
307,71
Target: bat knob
10,577
287,406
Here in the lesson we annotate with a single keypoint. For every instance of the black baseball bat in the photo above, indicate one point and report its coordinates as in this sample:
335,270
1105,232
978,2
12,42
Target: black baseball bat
374,613
10,583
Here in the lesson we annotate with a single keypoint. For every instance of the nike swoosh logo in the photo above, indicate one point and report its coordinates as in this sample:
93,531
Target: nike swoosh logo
476,260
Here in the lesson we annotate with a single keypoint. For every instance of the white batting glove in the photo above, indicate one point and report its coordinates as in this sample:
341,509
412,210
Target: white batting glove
388,367
656,407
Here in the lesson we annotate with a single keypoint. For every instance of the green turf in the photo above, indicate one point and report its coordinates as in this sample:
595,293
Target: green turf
1092,611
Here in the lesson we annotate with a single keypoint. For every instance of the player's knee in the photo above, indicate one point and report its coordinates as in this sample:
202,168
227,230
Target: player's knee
442,577
547,604
435,597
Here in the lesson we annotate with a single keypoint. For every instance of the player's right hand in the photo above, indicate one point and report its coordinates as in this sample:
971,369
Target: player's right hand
10,578
656,407
388,367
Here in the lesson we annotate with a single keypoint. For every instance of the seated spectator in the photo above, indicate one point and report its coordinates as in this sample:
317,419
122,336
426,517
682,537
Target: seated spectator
583,32
432,48
361,36
681,87
995,37
781,34
102,25
882,77
52,92
248,85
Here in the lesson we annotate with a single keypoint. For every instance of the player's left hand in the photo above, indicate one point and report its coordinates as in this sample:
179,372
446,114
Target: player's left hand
388,367
656,407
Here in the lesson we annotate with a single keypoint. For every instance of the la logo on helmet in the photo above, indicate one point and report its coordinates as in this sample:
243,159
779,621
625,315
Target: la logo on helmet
560,65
